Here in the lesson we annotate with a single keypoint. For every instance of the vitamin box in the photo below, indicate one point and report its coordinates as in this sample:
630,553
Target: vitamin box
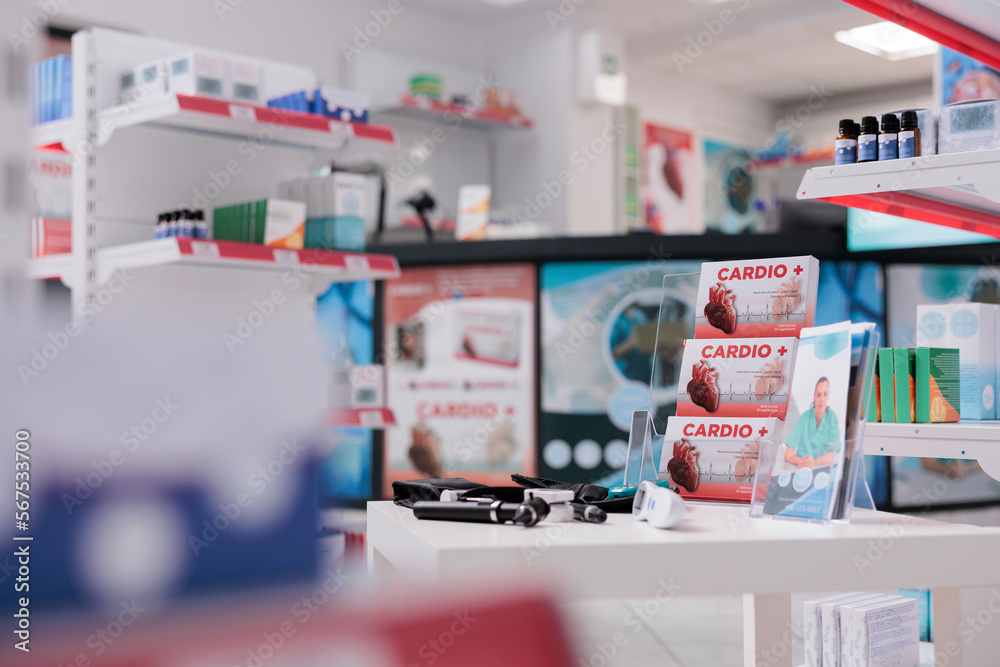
737,377
714,458
765,297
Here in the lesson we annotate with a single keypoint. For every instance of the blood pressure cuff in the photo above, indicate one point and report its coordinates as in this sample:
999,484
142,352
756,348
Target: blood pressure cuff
590,494
407,493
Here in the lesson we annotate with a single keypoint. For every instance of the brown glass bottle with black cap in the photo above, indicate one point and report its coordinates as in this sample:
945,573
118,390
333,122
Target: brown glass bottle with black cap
909,135
868,140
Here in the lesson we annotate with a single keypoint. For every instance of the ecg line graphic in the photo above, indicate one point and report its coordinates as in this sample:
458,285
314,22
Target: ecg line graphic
744,396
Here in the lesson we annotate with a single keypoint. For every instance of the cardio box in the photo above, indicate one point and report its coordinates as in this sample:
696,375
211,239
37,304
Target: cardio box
714,458
971,329
765,297
736,377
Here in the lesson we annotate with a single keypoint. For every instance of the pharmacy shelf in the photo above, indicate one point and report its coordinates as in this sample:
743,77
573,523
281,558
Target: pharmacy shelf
50,135
959,190
363,417
330,264
230,119
947,23
978,440
422,108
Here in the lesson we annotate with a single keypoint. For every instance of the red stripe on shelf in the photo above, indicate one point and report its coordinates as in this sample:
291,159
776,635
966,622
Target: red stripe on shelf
934,26
262,253
925,210
296,119
374,132
352,417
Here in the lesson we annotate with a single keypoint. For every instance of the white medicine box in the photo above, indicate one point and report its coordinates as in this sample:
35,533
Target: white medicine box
143,82
247,81
201,74
969,126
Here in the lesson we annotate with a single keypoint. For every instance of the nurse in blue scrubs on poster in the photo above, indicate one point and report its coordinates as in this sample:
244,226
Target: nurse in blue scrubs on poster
815,438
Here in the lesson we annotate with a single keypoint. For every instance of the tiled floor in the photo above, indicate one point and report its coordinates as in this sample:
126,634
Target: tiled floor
683,632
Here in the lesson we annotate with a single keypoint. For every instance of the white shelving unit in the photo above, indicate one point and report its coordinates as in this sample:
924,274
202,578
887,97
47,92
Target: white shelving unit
956,190
170,151
243,314
335,265
960,190
976,440
433,111
235,120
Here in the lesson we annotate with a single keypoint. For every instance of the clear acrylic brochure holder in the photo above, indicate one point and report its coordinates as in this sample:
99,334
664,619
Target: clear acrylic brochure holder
648,460
674,325
821,494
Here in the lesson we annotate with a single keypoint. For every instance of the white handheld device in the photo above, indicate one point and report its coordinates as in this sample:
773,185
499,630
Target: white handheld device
657,505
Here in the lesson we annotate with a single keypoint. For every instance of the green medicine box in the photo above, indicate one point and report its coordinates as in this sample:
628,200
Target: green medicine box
938,389
887,393
904,370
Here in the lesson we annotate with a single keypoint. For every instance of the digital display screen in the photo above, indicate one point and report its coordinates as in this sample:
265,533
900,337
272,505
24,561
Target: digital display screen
868,230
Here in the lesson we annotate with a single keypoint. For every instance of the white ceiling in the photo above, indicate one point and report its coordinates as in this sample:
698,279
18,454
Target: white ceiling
773,50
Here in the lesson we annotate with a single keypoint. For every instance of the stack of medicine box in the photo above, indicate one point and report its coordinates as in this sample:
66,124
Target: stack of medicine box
278,223
747,349
336,206
916,385
197,73
861,630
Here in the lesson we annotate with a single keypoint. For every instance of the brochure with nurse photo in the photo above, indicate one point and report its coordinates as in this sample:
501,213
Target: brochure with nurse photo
807,467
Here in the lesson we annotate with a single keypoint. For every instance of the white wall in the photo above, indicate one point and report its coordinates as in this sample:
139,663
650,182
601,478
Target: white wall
537,61
670,100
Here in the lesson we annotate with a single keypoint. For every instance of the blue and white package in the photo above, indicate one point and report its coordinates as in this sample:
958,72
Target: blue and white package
971,329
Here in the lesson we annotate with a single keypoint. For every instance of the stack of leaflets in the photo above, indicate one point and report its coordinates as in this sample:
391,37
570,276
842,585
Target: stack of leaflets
817,460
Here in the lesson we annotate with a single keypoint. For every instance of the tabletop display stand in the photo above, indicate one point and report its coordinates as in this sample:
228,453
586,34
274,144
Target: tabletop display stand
717,549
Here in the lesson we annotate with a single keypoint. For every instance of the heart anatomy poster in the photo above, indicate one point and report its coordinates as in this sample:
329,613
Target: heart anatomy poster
460,366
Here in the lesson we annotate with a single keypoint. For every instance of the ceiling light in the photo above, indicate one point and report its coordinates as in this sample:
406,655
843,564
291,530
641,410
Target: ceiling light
887,40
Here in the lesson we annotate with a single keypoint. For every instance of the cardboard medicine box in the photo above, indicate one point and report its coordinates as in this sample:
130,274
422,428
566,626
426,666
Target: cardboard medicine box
763,297
938,388
714,458
736,377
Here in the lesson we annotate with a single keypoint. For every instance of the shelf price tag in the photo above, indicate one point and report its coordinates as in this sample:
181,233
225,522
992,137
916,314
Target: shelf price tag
285,256
341,129
356,263
370,418
240,112
207,250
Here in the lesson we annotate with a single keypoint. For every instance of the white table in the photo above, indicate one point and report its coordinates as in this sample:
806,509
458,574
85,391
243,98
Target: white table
716,550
